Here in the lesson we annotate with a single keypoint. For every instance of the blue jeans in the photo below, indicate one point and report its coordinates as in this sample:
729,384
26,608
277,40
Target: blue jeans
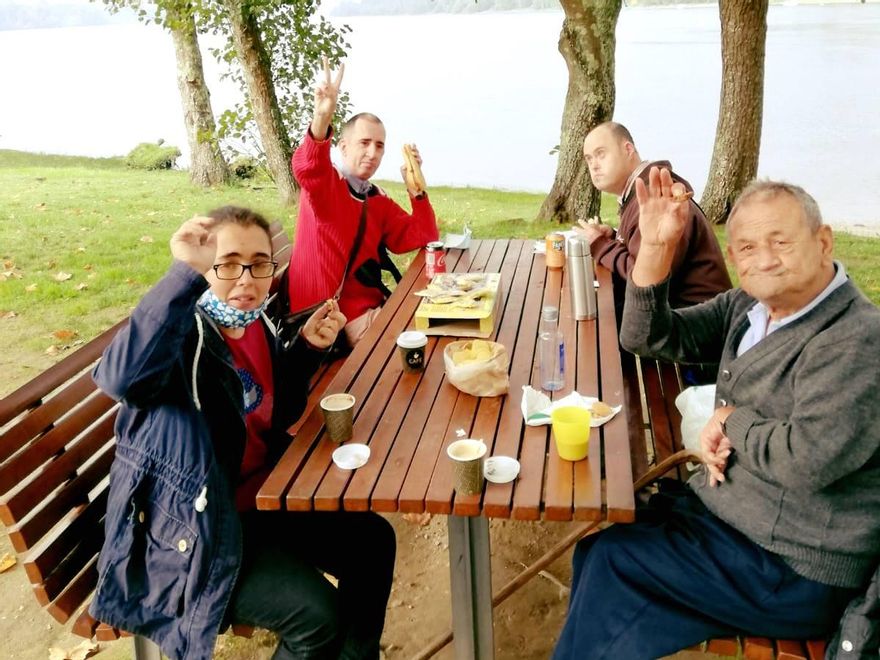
678,576
281,586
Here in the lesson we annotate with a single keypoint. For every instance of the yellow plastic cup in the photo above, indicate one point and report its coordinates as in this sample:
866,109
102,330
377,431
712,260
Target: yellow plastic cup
571,428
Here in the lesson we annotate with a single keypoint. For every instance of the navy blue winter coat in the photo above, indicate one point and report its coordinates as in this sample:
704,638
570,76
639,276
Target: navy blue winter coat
173,543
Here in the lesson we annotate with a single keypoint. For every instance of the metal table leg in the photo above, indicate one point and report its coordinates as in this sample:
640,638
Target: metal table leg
471,578
144,649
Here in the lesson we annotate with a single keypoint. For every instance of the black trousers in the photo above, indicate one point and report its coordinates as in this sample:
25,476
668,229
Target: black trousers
281,586
678,576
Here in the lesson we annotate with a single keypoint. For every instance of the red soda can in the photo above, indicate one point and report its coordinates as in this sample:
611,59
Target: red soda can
435,259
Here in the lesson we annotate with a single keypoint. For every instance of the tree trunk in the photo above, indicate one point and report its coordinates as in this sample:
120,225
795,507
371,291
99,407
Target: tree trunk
208,168
738,136
264,103
587,45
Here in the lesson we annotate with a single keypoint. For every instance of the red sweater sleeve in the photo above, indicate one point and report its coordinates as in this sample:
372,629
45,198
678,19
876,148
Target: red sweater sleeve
313,169
402,232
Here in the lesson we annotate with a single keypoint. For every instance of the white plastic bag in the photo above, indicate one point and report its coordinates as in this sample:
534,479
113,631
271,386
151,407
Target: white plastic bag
696,405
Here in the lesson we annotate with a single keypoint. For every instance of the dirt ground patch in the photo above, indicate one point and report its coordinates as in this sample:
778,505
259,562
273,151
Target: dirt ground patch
526,625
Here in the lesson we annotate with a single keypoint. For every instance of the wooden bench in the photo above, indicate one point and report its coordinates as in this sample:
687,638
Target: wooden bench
56,447
652,387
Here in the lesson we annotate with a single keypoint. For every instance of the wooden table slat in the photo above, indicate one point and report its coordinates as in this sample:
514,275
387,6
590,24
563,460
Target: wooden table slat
530,487
559,497
588,474
497,499
620,499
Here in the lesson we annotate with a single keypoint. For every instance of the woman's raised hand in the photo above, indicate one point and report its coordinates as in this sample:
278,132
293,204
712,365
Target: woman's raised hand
195,243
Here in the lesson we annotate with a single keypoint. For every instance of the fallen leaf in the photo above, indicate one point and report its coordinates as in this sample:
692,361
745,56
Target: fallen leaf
7,561
129,281
9,264
83,650
64,335
88,267
146,239
51,265
82,286
9,315
52,350
61,276
80,249
30,288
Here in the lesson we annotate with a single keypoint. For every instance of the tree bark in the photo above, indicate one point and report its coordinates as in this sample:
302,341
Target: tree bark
263,100
207,167
738,136
587,44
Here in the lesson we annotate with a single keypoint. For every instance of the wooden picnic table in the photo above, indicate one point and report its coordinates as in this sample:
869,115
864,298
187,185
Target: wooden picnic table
408,420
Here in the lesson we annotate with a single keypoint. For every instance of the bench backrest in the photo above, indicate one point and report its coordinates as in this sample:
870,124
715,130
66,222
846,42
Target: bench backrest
56,447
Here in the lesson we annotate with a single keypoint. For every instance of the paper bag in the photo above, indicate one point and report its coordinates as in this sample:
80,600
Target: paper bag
477,367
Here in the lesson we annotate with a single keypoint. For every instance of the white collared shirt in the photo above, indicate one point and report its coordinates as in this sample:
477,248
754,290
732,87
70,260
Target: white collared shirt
760,324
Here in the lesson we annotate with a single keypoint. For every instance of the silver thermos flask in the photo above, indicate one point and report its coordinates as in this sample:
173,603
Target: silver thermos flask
580,279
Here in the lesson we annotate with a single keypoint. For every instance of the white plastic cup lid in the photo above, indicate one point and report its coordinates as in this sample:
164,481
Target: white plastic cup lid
412,339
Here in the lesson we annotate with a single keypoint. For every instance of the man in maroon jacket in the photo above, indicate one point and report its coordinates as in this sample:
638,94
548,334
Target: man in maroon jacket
698,270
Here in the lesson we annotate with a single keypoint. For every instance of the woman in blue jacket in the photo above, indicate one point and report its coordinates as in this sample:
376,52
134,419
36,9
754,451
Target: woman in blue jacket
206,397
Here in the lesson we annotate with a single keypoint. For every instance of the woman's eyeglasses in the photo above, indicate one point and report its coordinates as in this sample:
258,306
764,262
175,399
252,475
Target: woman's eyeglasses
232,271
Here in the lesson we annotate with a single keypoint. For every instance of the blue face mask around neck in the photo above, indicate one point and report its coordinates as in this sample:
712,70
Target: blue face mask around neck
225,315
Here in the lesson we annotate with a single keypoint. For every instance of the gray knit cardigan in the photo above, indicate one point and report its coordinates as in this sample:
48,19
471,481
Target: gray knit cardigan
804,479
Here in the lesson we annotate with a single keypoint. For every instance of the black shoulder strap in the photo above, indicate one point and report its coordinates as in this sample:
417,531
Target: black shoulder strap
358,239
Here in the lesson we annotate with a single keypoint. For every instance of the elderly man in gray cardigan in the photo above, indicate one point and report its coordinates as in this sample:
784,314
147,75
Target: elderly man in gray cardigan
780,527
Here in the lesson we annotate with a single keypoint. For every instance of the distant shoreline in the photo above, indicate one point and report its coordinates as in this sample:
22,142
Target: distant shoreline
17,15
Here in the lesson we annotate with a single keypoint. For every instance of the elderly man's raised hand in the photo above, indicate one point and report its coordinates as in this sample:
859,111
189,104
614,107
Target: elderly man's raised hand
326,97
663,208
195,243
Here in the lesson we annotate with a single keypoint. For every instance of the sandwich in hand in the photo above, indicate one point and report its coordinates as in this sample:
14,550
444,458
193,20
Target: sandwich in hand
412,172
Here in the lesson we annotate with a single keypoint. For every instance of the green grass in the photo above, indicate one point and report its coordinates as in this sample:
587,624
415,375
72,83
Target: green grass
108,227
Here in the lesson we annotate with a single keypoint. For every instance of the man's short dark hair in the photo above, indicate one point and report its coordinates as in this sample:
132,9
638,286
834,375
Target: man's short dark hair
619,131
366,116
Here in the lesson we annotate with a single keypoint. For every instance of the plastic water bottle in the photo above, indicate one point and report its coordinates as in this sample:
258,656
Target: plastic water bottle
551,351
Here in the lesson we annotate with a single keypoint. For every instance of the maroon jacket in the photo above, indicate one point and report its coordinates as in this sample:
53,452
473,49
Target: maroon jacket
698,269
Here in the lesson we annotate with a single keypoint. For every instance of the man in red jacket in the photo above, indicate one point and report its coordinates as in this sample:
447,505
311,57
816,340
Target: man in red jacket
335,202
698,270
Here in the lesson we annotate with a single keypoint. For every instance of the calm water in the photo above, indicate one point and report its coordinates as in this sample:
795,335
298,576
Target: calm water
482,95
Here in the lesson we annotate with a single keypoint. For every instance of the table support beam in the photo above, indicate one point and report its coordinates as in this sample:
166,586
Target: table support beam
471,578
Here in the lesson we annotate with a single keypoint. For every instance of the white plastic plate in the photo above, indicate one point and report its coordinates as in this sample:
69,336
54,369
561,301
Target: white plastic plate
351,457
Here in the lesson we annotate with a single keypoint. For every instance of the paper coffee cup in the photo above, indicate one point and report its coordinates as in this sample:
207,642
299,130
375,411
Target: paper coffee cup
467,465
411,346
338,410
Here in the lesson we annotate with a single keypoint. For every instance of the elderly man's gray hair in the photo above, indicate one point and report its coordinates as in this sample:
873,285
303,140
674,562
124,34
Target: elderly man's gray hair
766,189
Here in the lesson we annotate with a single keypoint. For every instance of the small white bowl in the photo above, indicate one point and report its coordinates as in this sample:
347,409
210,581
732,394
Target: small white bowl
351,457
500,469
